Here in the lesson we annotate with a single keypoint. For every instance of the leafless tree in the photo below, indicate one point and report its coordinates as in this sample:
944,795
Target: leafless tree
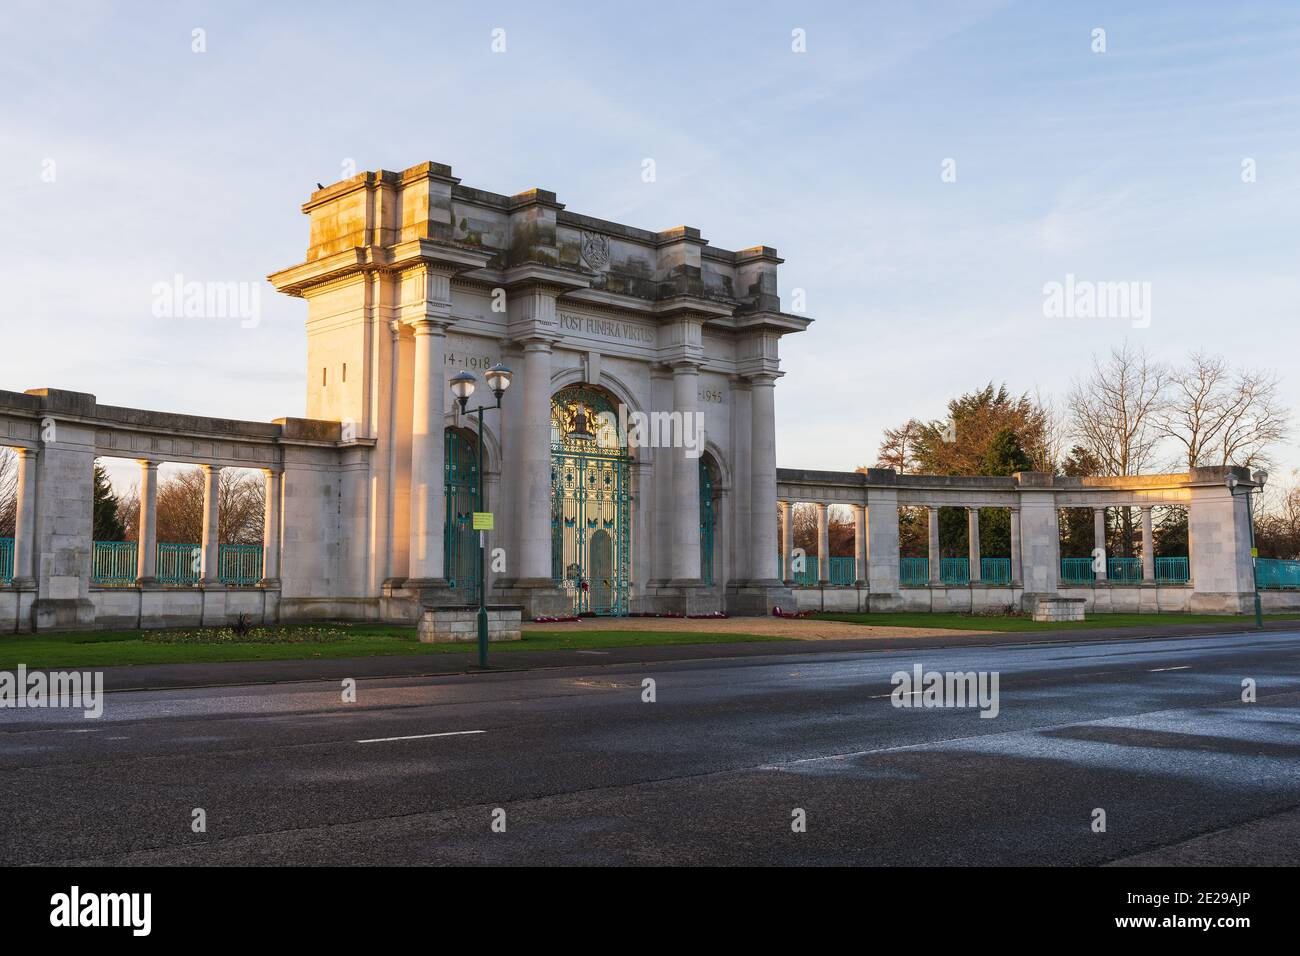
1218,416
8,491
1115,411
180,507
1256,421
1277,530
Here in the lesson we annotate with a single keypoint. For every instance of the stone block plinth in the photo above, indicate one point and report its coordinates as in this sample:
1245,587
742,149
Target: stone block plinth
459,623
1059,609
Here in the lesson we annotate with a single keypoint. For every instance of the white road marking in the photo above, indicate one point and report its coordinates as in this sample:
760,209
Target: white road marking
451,733
1157,670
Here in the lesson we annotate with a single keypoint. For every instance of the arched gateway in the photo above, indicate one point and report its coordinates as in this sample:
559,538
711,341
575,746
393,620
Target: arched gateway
630,349
591,516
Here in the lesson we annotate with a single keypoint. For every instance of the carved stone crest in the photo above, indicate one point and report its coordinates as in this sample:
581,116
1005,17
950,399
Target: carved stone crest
595,250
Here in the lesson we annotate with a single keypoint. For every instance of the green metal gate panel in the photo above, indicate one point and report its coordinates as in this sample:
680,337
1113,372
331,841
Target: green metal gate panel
591,553
708,522
460,550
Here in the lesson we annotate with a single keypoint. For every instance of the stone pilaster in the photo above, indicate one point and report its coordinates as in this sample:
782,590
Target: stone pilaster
428,495
973,543
764,590
686,481
882,547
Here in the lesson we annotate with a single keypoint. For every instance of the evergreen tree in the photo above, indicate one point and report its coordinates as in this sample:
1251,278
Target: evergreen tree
108,526
1005,455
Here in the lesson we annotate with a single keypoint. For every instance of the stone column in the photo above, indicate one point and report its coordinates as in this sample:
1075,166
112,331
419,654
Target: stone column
741,567
532,469
146,571
787,541
860,545
390,441
1148,547
934,544
1099,541
973,543
686,481
823,545
763,479
271,529
209,561
25,518
1017,572
428,494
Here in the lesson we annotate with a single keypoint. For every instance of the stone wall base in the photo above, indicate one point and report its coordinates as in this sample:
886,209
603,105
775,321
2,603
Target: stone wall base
540,598
459,624
685,600
757,599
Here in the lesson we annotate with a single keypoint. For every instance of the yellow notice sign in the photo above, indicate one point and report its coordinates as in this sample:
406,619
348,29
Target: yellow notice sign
482,521
1254,552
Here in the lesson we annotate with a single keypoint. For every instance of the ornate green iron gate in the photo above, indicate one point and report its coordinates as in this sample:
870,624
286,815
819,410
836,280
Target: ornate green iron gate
460,550
591,554
708,522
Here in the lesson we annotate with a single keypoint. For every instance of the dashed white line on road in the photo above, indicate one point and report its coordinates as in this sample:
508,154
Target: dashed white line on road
1157,670
450,733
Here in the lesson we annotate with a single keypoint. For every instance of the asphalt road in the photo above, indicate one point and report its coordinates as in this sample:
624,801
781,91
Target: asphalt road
1153,732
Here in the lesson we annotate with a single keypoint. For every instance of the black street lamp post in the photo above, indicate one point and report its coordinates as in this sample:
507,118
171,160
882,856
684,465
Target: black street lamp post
462,386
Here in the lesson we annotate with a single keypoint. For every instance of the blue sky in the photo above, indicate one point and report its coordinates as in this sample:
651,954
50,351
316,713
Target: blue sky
1118,166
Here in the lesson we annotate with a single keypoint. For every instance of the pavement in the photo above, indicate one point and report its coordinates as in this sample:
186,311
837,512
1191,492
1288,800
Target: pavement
574,766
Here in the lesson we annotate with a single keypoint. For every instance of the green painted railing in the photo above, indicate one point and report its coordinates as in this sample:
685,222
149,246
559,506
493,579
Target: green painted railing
842,571
1172,571
113,563
239,564
954,571
1124,570
178,564
807,578
1077,571
6,561
1275,574
914,572
995,570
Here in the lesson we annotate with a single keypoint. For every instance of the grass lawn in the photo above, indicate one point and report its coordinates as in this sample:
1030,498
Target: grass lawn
111,648
975,622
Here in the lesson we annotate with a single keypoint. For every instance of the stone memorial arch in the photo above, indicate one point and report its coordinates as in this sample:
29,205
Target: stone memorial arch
631,469
411,277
